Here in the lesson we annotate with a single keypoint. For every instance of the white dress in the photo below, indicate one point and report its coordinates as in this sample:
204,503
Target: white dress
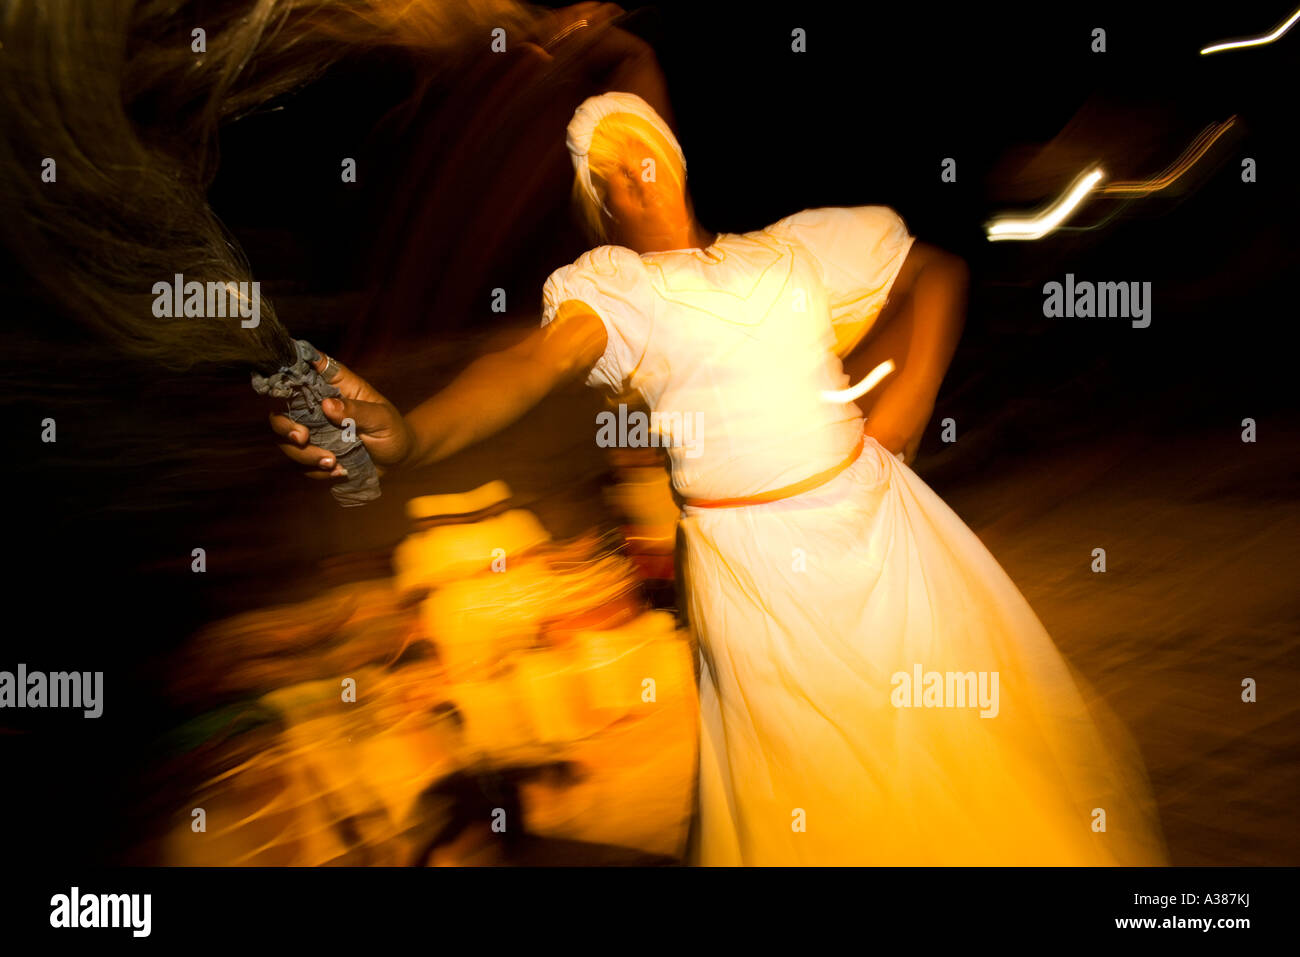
817,614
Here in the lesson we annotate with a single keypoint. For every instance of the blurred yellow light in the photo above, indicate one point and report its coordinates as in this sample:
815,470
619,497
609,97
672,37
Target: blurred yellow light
1255,41
1198,148
1039,226
862,388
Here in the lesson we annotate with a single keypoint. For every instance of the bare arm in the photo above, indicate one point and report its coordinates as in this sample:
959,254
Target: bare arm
498,388
492,392
929,301
932,286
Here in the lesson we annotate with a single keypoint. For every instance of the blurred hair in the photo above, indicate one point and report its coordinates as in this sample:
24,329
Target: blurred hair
113,92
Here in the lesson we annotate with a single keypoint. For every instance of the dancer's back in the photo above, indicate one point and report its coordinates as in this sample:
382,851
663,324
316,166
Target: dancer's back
733,346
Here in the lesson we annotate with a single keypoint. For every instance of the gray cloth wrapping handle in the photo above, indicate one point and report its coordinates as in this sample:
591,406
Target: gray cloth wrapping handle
305,389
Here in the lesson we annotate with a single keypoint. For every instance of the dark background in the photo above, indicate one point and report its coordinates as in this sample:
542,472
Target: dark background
394,275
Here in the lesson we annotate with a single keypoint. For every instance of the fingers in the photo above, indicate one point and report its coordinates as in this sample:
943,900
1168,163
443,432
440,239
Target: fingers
319,464
289,430
330,369
373,417
370,418
345,380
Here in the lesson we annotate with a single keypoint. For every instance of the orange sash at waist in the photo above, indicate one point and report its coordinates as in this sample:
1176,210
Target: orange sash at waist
789,491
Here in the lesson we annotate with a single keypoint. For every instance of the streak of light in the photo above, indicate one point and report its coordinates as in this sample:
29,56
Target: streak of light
1190,156
1046,222
862,388
1254,41
1036,228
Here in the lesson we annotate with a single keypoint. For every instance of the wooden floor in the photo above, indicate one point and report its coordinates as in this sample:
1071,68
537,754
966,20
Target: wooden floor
1202,541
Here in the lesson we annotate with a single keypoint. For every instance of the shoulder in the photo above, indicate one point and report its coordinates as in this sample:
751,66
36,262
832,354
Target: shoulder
609,280
836,218
603,262
847,238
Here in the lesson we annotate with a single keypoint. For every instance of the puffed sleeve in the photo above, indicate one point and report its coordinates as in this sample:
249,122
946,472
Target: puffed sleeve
612,281
859,251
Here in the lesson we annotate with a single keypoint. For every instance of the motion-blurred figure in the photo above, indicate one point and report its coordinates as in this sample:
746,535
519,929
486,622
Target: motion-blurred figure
873,687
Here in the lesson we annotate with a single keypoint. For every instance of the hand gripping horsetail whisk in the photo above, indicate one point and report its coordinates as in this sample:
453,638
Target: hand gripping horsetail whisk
304,389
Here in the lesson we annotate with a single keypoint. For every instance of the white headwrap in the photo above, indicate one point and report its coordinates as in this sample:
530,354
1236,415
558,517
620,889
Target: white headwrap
588,116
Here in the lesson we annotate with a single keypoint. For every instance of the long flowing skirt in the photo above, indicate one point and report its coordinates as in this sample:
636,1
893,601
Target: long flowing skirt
874,689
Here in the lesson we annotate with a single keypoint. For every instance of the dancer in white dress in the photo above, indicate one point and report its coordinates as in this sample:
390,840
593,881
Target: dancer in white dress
873,687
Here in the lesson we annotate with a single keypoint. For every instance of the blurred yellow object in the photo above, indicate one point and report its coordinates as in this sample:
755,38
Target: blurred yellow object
446,553
636,779
476,621
645,497
339,783
463,503
496,726
624,666
553,696
543,655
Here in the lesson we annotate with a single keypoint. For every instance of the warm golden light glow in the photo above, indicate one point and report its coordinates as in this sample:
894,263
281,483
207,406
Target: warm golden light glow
1190,156
1054,216
1255,41
862,388
1048,221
